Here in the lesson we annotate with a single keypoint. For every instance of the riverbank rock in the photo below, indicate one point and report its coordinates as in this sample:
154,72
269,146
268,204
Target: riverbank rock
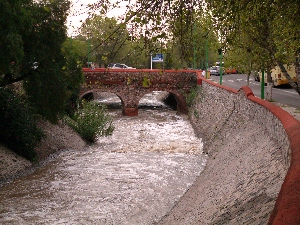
11,163
58,137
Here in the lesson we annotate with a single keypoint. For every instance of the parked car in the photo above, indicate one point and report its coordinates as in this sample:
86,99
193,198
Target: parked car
231,70
119,66
215,70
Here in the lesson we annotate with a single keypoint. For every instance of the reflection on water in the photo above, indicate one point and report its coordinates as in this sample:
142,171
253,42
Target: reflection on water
132,177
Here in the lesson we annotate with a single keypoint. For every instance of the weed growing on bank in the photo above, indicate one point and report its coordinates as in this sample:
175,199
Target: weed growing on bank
192,96
18,124
91,121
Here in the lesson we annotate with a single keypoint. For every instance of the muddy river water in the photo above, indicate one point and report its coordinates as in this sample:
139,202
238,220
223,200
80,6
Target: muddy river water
133,177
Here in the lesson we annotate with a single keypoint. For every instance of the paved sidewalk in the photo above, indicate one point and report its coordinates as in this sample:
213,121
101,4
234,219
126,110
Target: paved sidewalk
295,112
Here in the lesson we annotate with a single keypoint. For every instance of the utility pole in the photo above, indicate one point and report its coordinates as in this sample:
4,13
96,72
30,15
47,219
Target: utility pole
221,59
89,49
262,87
206,54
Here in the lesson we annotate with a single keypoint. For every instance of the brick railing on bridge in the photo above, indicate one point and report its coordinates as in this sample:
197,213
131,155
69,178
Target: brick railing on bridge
130,85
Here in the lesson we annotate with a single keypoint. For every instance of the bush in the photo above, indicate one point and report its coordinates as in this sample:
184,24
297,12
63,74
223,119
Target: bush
18,126
91,121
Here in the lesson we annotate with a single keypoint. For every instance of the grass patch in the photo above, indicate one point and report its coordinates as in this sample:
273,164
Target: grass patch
297,111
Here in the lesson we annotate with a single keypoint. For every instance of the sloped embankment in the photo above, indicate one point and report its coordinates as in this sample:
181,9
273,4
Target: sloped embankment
248,159
58,137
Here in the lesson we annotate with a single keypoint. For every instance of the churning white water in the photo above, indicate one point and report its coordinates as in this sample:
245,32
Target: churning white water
133,177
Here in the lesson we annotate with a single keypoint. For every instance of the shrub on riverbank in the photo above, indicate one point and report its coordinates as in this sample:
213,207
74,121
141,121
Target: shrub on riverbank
190,98
91,121
18,124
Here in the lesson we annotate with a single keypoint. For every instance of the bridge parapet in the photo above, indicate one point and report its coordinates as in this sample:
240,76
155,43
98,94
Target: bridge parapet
130,85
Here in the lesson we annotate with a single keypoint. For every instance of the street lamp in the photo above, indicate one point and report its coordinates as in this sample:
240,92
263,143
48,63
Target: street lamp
206,56
206,53
221,70
262,87
194,43
194,63
89,49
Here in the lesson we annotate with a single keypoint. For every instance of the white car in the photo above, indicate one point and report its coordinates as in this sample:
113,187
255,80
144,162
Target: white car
119,66
215,70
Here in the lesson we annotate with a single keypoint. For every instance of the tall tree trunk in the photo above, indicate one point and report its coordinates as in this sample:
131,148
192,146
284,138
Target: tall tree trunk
248,78
268,96
288,77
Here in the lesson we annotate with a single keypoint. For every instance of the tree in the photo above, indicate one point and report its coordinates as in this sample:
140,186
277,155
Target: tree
32,37
112,41
288,37
74,77
157,21
270,28
181,27
105,36
15,21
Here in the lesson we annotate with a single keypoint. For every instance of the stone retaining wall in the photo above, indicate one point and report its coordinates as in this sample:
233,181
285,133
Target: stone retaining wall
249,142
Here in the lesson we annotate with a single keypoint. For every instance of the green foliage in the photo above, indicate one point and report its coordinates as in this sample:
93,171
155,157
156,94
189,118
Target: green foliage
15,21
33,32
129,81
18,125
146,82
74,76
47,85
192,96
47,91
91,121
267,31
176,28
196,114
109,41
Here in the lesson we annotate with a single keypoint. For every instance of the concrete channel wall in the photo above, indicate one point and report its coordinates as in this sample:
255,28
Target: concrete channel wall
252,175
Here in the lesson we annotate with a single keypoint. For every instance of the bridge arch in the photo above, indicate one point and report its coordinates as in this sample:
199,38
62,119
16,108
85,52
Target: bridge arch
94,92
179,98
87,96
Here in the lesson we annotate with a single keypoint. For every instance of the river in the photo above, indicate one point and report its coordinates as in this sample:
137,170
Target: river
133,177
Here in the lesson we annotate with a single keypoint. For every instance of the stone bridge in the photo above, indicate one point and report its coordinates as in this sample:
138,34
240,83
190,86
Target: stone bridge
130,85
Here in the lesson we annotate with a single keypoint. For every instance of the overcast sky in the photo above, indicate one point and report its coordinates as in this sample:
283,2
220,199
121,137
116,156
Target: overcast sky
79,13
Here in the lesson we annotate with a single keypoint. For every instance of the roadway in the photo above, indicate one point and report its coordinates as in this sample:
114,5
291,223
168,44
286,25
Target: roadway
284,95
